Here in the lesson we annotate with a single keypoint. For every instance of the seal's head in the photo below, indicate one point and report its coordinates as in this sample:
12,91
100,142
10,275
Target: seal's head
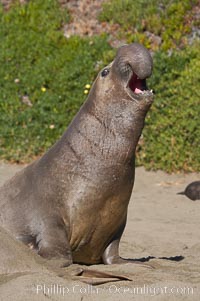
133,64
127,75
120,93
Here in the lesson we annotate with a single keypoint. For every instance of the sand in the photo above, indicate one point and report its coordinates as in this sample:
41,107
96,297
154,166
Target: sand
160,224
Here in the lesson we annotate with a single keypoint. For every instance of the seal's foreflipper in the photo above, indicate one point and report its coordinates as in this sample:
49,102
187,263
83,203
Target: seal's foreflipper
95,277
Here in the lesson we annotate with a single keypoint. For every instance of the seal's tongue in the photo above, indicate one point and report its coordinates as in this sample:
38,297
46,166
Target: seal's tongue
137,91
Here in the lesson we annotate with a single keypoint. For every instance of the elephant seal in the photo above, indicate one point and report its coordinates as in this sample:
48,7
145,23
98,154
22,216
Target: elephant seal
192,191
72,202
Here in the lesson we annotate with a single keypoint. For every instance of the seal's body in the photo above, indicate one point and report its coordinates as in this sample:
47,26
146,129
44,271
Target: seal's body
72,202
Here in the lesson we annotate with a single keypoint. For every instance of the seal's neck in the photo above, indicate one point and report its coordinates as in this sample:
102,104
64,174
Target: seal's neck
106,134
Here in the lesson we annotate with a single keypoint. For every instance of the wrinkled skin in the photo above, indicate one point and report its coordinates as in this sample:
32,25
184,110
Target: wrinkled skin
72,202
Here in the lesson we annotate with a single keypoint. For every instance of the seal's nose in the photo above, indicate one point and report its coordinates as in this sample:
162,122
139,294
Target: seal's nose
135,57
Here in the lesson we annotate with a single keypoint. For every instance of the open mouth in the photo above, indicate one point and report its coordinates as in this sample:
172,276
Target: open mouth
138,86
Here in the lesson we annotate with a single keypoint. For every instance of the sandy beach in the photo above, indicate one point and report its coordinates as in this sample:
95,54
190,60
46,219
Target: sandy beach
162,227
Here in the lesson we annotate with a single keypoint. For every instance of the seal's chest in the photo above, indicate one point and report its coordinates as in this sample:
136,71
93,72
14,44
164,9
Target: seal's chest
91,235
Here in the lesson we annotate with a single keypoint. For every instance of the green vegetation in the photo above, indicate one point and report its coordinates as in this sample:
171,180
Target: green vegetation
170,20
43,77
172,132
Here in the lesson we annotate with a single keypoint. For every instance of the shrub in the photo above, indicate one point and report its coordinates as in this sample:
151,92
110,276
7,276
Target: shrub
142,20
172,134
42,77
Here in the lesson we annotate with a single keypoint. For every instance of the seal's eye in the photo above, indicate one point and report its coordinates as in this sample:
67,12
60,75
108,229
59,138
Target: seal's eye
105,72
